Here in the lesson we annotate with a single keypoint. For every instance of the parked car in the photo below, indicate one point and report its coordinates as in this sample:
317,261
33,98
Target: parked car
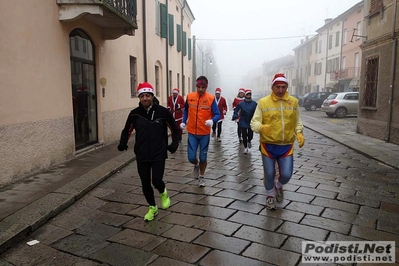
341,104
314,100
299,97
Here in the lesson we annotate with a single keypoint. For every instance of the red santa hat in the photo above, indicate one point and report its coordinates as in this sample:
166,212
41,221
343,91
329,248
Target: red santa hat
175,90
241,90
248,91
279,78
145,87
218,90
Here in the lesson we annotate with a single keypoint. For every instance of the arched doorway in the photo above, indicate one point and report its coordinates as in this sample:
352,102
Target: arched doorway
83,89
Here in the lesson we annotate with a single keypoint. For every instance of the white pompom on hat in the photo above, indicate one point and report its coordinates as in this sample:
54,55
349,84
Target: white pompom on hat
145,87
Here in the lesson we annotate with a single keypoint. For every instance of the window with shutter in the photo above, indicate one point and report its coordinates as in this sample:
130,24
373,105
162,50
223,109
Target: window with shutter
184,43
189,50
171,24
178,35
375,5
164,20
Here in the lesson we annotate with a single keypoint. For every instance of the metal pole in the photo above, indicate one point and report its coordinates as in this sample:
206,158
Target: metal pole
194,64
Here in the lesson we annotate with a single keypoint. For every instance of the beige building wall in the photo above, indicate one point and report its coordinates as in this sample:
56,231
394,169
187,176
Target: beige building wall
382,120
36,110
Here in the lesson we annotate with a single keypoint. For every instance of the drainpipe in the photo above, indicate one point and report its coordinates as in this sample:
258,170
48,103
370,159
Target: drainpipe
325,69
182,55
340,57
168,89
392,76
145,41
194,64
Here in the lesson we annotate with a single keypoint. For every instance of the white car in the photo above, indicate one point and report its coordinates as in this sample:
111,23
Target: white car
341,104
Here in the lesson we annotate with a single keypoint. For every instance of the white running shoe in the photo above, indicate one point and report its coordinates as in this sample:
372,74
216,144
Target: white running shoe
271,203
201,181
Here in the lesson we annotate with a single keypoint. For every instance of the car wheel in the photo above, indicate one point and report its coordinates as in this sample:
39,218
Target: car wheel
330,114
313,107
341,112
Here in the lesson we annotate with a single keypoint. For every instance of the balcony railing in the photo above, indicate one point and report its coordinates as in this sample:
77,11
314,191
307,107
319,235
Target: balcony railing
114,17
347,73
127,8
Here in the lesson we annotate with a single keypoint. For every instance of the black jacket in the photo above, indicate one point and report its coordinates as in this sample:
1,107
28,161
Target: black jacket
151,132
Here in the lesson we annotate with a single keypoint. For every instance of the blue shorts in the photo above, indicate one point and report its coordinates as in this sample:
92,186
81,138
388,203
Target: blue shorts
195,141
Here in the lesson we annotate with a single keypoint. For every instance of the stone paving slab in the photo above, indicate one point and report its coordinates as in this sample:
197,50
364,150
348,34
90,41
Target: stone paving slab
100,218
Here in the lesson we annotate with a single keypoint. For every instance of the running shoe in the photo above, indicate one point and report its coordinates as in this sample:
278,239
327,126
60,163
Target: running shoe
152,212
201,181
271,203
165,200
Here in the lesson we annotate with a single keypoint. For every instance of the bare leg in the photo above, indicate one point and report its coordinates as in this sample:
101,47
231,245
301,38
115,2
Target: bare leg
202,166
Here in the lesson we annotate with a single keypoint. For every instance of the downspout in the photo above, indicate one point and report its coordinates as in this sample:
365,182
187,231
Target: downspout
392,77
167,54
340,57
194,64
145,42
183,83
325,70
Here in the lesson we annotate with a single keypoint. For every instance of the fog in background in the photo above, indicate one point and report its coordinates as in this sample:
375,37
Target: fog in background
238,36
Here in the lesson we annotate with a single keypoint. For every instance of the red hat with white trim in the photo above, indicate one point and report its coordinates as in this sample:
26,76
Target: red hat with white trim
248,91
145,87
218,90
279,78
175,90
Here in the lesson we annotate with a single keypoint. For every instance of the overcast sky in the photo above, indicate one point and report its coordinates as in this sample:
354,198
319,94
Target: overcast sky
272,30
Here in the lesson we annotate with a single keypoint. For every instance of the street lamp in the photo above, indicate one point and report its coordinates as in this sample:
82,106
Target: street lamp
212,57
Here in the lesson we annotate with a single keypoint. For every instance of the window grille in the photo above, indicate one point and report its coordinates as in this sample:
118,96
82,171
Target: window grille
371,81
375,5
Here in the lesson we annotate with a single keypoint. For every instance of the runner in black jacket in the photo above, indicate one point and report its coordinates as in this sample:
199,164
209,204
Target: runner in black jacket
151,122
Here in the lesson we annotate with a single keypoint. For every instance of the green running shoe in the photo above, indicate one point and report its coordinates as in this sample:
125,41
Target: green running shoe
152,212
165,200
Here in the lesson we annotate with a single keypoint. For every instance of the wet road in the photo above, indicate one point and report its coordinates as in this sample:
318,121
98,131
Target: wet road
334,194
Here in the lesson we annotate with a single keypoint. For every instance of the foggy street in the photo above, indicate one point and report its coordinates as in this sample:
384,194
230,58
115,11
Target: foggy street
334,194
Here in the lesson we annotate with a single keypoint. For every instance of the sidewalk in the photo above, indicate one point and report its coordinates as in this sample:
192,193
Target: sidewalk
386,153
27,205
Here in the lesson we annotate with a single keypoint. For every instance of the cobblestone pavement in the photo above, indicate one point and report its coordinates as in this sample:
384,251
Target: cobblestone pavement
334,194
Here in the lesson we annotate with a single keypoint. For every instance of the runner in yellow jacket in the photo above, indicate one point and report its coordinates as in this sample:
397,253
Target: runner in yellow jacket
278,123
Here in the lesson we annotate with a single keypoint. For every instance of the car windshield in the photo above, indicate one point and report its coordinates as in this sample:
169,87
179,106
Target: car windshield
332,96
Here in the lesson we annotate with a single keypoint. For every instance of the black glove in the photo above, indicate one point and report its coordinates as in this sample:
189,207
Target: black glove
173,147
122,147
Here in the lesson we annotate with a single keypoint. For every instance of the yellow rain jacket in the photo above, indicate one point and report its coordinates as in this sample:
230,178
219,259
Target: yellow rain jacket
283,117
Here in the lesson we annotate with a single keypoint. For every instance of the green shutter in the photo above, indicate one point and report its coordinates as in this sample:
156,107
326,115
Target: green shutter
171,30
178,34
189,49
184,42
164,20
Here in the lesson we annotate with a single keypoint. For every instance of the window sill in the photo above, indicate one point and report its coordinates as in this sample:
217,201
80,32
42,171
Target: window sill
369,108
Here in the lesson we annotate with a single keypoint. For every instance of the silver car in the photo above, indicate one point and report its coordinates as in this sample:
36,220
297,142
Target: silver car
340,104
